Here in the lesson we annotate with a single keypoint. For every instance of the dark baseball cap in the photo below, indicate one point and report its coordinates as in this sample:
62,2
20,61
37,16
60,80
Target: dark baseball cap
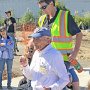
8,12
40,32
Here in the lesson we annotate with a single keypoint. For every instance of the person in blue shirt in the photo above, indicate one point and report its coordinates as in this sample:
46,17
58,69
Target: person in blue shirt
6,55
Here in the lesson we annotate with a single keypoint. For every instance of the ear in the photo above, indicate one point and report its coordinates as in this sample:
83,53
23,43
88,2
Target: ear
48,40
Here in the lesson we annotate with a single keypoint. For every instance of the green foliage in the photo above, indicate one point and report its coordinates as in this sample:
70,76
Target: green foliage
27,18
85,20
1,21
40,12
60,5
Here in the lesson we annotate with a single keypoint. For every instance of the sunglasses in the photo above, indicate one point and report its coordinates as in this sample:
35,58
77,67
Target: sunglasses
44,7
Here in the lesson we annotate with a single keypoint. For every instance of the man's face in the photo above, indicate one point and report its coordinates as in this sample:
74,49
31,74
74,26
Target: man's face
40,43
46,8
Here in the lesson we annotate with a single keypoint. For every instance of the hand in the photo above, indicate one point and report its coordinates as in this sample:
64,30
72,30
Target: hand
14,34
9,42
2,44
72,56
23,61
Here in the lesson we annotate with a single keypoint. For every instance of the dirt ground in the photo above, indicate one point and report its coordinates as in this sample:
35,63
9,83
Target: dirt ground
83,55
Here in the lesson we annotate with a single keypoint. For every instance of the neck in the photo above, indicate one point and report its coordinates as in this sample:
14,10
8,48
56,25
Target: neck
9,16
43,47
5,36
52,14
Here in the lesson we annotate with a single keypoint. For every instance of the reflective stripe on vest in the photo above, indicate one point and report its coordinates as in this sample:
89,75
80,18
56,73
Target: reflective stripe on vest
41,20
61,39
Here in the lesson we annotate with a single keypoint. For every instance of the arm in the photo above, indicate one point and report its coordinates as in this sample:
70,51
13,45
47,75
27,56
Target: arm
77,46
27,72
15,27
10,43
14,24
26,67
29,50
74,30
4,23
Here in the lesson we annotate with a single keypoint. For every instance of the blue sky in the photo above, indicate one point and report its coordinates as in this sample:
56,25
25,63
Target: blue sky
19,7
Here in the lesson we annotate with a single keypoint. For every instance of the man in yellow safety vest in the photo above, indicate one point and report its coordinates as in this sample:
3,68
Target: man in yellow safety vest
62,28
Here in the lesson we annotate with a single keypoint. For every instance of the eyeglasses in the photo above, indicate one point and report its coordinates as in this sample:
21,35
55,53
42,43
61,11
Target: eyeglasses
44,7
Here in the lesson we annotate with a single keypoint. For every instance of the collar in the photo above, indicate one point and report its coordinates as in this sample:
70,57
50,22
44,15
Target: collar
51,20
46,49
5,38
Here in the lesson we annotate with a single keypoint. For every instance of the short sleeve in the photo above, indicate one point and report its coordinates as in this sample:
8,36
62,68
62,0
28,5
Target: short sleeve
13,20
72,28
5,21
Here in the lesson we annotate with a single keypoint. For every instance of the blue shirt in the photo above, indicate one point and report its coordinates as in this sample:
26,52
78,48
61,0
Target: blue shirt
6,51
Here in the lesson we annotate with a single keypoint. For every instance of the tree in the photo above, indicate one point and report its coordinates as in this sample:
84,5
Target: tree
60,5
1,21
27,18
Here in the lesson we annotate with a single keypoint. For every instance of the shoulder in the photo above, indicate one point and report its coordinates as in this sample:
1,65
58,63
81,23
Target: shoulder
5,20
12,18
54,57
53,53
43,16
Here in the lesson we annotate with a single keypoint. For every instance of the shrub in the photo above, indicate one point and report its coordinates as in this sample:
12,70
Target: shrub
27,18
60,5
85,19
1,21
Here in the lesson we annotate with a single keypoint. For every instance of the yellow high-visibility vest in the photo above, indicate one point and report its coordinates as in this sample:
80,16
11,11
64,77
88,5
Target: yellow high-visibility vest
61,39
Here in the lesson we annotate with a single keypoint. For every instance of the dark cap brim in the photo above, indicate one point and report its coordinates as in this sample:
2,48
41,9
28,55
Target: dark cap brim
8,12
